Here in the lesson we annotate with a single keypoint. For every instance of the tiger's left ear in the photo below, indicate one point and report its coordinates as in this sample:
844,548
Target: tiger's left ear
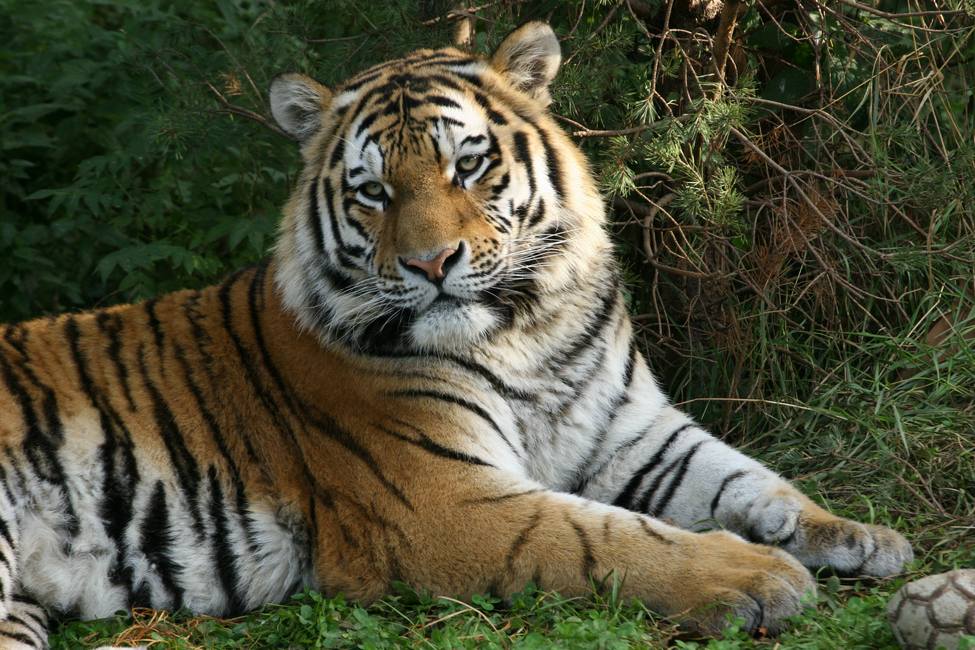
297,104
529,57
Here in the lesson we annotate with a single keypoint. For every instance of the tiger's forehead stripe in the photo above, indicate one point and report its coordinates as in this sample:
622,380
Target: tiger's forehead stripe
361,108
433,76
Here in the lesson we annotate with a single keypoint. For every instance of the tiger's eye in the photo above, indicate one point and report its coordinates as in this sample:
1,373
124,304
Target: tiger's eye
373,190
467,164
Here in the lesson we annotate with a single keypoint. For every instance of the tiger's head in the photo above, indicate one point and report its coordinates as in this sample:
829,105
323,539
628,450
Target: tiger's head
439,202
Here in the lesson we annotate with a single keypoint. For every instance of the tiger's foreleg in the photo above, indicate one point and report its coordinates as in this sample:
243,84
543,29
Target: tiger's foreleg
9,534
23,622
472,537
25,626
675,470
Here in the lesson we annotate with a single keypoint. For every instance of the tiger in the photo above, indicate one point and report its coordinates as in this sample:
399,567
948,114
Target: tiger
431,380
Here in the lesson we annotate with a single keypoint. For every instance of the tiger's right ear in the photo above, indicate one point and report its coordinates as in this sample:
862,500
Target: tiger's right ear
529,57
297,104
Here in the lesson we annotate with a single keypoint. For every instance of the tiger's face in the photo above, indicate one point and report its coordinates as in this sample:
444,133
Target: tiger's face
439,202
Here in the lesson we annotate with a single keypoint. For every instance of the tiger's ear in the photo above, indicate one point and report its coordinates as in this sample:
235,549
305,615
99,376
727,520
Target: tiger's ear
297,104
529,57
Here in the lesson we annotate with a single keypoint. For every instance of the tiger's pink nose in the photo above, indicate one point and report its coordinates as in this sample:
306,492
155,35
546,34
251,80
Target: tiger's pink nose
435,267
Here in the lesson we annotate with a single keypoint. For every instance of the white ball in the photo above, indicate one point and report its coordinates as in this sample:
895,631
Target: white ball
934,612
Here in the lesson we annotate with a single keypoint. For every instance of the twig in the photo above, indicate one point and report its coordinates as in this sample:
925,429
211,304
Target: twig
600,27
722,41
473,609
598,133
232,109
641,9
649,212
905,14
337,39
459,13
805,197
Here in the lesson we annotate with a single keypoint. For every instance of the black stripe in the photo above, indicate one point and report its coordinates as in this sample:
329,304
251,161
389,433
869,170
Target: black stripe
225,558
625,498
443,80
154,326
675,483
358,227
111,326
5,533
472,139
339,281
501,185
40,447
17,337
648,529
630,363
427,444
327,425
39,636
349,251
332,213
523,155
442,101
203,342
355,84
724,484
611,297
253,377
156,542
120,471
337,152
365,124
499,498
496,382
538,214
315,218
17,636
493,115
187,470
449,121
554,165
521,539
588,560
458,401
217,435
584,481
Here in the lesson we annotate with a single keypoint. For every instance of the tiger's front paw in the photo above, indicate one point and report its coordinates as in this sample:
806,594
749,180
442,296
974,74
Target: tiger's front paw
760,584
820,539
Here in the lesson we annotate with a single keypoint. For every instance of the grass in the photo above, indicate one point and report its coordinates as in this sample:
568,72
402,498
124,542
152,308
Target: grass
888,438
848,611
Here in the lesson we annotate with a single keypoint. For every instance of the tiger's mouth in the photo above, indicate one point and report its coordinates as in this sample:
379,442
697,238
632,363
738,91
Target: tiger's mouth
445,302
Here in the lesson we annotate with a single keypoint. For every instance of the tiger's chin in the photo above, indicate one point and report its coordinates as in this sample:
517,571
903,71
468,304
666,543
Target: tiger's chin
452,325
